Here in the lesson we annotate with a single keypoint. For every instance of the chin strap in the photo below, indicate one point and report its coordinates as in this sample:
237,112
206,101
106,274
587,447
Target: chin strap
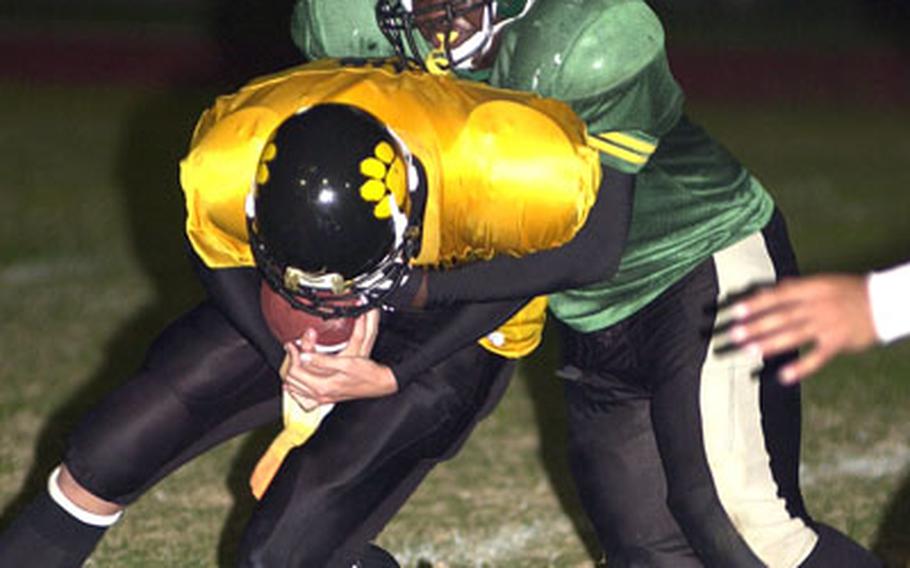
437,60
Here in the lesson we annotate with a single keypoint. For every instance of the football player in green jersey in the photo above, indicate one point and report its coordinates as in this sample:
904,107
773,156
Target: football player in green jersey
683,454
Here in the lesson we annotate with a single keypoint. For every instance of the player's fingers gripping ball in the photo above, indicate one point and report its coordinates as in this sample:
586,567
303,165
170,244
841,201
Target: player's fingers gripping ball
289,324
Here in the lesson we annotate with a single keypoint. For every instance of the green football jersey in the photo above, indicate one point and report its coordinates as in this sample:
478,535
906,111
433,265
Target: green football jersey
606,59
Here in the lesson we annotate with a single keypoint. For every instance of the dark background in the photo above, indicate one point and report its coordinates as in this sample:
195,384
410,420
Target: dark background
853,50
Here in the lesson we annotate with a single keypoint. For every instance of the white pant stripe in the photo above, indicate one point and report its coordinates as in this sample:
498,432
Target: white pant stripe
731,424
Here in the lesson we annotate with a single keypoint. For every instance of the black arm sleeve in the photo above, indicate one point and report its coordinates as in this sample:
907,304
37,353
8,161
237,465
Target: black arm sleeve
591,256
462,325
235,292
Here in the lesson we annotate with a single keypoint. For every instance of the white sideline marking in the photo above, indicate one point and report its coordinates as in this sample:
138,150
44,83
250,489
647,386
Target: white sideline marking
509,542
869,465
23,273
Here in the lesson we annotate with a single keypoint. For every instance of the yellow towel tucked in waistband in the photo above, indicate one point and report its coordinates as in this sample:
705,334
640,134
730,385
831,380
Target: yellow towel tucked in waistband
299,425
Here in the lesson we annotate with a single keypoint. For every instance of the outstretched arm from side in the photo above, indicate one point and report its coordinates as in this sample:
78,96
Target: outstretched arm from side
827,314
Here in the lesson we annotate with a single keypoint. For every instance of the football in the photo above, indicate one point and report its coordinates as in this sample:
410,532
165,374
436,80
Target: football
288,323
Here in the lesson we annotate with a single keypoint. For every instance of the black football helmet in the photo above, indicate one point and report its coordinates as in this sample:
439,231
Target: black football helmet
445,34
328,212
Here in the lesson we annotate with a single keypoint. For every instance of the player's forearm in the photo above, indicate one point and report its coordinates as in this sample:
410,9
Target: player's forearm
235,292
464,325
592,256
889,299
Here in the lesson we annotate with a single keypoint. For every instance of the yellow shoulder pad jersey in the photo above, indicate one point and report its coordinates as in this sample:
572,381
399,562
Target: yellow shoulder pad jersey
507,172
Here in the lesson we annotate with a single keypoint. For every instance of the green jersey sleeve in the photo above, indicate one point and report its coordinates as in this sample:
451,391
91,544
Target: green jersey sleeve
338,28
605,58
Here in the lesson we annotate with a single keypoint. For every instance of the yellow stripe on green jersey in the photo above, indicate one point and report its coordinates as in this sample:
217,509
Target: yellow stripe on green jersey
624,151
635,143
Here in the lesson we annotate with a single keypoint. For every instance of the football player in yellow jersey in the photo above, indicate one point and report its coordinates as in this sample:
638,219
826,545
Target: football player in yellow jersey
336,182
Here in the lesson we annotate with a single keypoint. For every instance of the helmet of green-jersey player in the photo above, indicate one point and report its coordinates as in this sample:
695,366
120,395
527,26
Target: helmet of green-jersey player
327,216
446,34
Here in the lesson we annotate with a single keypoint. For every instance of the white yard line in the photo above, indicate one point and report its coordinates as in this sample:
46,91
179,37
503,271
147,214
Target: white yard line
509,542
32,272
876,462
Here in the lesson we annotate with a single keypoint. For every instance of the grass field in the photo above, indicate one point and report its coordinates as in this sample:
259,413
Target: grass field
91,267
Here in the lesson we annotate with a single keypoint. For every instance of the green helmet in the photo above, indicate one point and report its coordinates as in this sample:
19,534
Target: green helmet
453,33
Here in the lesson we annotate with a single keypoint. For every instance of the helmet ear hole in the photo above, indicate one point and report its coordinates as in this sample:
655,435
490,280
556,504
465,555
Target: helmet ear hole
322,208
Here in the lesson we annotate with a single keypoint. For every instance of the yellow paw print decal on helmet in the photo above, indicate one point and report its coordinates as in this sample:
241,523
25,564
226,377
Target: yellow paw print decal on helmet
268,154
386,180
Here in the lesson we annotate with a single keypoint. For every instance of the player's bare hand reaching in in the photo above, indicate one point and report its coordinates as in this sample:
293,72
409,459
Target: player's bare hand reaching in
827,314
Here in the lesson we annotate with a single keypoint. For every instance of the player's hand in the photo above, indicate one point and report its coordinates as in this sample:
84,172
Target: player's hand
827,314
294,375
288,384
362,339
350,374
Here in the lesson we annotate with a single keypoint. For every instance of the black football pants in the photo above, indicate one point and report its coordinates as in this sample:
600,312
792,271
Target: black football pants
686,455
202,383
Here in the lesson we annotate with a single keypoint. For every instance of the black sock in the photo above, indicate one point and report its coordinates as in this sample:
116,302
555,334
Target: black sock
45,535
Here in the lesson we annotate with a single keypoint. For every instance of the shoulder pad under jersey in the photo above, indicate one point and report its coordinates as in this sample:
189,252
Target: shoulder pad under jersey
338,28
574,50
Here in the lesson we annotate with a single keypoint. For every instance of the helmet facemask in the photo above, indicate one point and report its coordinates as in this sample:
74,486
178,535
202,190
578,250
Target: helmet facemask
327,216
446,34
